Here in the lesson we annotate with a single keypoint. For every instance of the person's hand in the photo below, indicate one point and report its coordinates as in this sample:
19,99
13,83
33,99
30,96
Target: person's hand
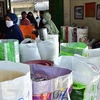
34,30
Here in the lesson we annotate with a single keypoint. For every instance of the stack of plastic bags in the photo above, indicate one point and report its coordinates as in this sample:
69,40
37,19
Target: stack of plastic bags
66,33
30,49
74,34
38,49
9,50
69,49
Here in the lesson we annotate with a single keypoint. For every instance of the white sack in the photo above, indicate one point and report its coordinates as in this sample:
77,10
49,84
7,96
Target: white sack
29,51
19,88
70,34
82,34
95,61
42,6
94,52
49,49
84,74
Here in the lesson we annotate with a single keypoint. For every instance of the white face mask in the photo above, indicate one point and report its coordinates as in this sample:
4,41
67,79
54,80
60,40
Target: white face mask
9,23
44,21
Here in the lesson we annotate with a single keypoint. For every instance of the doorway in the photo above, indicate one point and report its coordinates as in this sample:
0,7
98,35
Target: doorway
1,9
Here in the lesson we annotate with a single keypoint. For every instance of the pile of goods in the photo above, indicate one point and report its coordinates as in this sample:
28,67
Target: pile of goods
44,69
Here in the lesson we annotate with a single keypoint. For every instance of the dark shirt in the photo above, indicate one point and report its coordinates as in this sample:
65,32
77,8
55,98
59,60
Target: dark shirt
14,32
41,24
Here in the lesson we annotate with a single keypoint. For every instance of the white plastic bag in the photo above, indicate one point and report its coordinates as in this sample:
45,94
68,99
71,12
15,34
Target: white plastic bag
95,61
67,33
41,6
85,76
9,50
82,34
58,83
70,49
29,51
19,88
49,49
94,52
70,34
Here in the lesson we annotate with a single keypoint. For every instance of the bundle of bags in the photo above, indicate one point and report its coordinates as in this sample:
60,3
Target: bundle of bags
9,50
69,49
39,49
36,82
29,49
57,81
71,78
74,34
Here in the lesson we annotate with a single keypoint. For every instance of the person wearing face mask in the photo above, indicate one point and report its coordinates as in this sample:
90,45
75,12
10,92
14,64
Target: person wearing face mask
49,24
12,16
12,30
32,19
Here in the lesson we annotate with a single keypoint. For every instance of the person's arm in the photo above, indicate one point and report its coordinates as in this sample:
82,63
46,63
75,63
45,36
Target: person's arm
18,32
28,22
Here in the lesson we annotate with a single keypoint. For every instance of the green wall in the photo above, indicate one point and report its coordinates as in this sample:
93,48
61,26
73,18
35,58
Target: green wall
57,12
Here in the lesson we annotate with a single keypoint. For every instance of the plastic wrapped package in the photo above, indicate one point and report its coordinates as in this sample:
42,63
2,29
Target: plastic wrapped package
82,34
94,52
67,33
70,49
9,50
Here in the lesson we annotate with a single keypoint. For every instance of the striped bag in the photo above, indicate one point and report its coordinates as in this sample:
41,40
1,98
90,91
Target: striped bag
9,50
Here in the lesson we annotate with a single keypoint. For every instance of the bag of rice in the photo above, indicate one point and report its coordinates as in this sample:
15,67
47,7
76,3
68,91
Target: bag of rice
15,82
